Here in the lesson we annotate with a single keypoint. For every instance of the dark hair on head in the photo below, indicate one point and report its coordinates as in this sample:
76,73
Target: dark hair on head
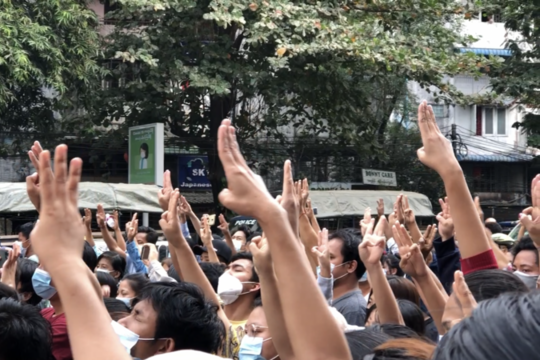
144,146
245,230
412,316
24,333
117,309
7,292
25,271
403,289
404,349
174,274
253,236
363,342
106,279
89,256
26,229
395,331
257,302
136,282
392,262
212,271
151,235
118,263
488,284
349,249
185,315
494,227
246,256
526,243
503,328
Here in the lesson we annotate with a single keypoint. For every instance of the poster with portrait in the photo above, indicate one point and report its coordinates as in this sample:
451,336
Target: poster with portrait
146,154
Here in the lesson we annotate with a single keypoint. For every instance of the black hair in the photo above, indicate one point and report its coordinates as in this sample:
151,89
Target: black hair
257,302
395,331
174,274
392,262
494,227
144,146
118,263
117,309
245,230
89,256
137,282
403,288
185,315
26,229
403,349
151,235
526,243
363,342
412,316
104,278
503,328
24,333
25,271
246,256
489,284
212,271
350,240
7,292
252,236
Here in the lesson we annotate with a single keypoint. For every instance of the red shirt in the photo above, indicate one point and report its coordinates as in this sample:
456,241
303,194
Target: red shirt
60,340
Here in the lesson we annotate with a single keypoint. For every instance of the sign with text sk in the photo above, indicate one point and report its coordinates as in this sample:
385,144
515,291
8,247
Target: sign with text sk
379,177
192,173
146,154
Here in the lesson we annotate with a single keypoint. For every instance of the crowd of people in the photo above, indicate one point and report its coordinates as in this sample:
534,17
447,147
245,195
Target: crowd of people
384,290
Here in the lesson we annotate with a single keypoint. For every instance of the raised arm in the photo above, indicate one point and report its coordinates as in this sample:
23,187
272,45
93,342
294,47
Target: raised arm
109,240
437,154
186,209
206,237
312,337
9,270
118,232
58,241
87,219
410,220
224,227
312,217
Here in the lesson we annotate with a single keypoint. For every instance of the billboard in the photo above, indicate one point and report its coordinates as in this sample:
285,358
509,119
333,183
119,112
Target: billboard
379,177
193,173
146,154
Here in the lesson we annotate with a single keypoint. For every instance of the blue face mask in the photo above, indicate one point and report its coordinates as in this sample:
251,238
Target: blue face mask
41,281
126,301
251,348
332,266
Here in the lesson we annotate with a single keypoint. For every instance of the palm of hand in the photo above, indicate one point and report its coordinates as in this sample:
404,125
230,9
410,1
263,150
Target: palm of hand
413,264
408,215
372,253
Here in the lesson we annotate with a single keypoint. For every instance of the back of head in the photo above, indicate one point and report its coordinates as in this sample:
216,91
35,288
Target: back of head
412,316
117,309
24,333
404,349
212,271
107,280
395,331
26,229
350,239
488,284
25,271
137,281
7,292
404,289
503,328
184,315
89,256
392,261
363,342
494,227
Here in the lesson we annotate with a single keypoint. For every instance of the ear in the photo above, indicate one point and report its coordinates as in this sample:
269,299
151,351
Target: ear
256,287
352,266
25,296
166,346
115,274
393,271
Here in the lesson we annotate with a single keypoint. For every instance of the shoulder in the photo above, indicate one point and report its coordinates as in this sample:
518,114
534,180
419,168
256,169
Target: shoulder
352,299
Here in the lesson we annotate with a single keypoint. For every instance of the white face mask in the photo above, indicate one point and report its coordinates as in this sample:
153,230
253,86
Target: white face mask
103,271
230,288
238,244
127,337
529,280
342,276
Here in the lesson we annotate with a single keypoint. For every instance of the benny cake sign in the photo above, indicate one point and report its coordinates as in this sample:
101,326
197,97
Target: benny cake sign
378,177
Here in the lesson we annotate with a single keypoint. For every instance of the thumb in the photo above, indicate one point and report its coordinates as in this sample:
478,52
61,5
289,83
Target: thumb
253,248
525,221
226,198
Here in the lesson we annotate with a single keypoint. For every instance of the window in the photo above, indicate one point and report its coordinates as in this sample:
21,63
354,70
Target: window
493,121
439,111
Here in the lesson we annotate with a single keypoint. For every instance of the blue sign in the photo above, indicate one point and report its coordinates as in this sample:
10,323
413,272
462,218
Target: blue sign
192,173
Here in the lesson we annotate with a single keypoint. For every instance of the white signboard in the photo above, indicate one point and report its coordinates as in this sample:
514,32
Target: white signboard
378,177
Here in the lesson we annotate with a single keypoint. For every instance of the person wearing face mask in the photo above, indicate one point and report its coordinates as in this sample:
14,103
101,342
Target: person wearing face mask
130,287
24,239
257,344
143,162
346,271
525,262
237,288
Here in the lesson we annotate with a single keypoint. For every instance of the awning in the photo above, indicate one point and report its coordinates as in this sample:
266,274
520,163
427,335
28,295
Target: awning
494,52
496,158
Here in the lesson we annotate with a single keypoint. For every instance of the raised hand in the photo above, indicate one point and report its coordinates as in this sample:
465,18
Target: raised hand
262,258
100,216
380,207
132,227
164,194
408,213
446,224
323,254
398,209
223,224
532,223
206,233
169,222
412,262
372,247
366,221
246,193
437,152
9,270
185,207
58,236
116,221
464,295
426,242
290,198
32,181
304,196
87,219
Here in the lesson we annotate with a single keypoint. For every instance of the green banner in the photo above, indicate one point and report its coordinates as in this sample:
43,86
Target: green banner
142,157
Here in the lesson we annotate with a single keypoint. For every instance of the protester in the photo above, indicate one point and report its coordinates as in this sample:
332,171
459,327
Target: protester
117,309
111,262
130,287
109,286
25,272
24,238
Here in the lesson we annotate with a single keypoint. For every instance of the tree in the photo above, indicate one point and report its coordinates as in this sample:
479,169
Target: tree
48,53
316,66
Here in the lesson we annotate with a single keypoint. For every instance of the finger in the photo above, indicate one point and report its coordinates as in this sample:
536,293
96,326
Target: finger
224,147
465,297
134,217
34,159
238,157
75,170
525,221
287,178
173,210
369,229
316,251
405,202
60,170
381,225
422,121
534,184
536,192
405,238
167,184
46,177
397,235
443,205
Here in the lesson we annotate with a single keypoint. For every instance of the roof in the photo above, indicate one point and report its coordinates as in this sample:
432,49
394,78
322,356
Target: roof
496,158
354,202
494,52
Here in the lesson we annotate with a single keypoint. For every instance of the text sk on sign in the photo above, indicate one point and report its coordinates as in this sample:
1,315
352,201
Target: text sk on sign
379,177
